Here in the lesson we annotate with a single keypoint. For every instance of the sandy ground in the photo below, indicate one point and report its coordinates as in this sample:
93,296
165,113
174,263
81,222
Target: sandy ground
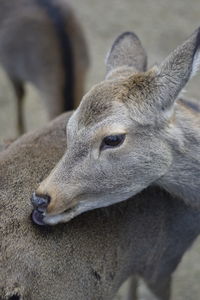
161,25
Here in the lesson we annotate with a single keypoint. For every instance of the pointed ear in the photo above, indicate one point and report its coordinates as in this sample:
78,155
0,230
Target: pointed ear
175,71
127,50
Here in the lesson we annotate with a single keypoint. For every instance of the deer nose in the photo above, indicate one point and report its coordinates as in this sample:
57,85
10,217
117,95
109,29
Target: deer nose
40,202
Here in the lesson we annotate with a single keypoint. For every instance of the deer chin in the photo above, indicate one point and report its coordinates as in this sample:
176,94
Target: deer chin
93,201
63,217
87,203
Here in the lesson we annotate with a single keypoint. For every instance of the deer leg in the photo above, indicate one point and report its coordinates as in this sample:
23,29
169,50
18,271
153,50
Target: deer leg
160,288
19,91
132,289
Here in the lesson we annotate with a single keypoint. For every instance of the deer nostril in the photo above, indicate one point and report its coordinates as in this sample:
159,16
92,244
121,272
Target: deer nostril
40,201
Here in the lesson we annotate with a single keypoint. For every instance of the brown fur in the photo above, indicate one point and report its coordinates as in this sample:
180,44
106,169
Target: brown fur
88,258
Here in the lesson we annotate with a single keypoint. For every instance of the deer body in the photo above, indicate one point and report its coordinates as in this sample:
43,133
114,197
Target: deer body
41,42
129,132
88,258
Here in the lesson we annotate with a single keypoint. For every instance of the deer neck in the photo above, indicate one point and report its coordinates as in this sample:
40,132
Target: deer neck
183,177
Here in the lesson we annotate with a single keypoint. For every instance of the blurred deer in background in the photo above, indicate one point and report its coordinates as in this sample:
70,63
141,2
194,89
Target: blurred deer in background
128,133
91,256
41,42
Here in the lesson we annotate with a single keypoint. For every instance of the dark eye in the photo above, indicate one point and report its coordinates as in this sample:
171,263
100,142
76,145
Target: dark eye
112,141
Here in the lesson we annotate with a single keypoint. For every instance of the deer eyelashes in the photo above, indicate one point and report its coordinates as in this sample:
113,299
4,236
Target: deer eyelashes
112,141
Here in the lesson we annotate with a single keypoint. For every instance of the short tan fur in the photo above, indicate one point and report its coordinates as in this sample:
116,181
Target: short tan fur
89,257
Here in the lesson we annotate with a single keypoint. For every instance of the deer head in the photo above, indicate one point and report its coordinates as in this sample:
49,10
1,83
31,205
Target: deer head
120,139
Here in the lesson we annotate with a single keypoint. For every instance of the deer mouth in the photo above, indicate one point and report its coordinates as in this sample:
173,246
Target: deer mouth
41,219
38,217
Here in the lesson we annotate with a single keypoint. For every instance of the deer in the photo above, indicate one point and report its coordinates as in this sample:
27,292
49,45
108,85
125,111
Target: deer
42,43
89,257
131,131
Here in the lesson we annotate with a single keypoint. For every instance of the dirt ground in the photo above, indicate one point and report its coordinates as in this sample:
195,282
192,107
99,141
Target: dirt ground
161,25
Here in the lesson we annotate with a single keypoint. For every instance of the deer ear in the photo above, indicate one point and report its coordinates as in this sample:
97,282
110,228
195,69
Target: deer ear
126,50
175,71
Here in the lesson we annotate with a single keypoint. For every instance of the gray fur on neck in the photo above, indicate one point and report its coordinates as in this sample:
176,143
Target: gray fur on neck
183,177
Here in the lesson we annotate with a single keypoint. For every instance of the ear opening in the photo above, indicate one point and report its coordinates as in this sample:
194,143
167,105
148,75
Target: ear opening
126,50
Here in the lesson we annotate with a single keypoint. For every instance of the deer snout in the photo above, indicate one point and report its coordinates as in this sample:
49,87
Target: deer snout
40,202
53,197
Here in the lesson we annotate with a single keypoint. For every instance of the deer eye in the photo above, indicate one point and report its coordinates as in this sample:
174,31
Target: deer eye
112,141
